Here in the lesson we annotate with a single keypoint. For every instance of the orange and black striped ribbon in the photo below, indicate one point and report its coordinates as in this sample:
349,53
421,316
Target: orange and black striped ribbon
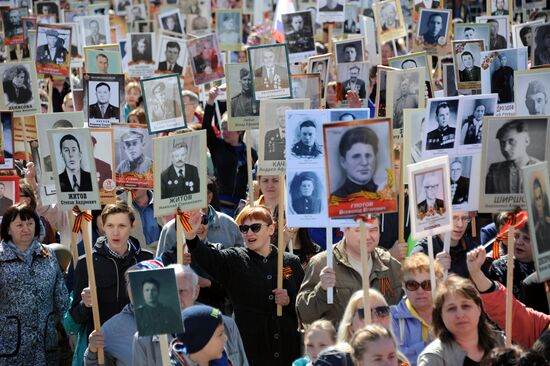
385,287
80,215
184,219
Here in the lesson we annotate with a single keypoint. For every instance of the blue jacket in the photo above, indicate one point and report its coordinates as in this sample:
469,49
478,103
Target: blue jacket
408,331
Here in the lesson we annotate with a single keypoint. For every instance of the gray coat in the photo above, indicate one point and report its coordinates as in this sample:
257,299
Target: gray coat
32,299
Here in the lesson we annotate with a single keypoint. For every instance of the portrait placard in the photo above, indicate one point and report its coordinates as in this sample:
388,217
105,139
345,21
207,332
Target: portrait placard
521,141
320,65
229,29
424,4
105,99
52,55
141,48
500,30
299,35
304,139
532,88
430,197
24,133
96,30
170,21
469,127
497,76
412,61
19,88
206,59
500,7
163,103
198,17
330,11
12,25
271,152
181,178
351,50
381,90
102,61
353,76
413,125
47,8
75,175
522,34
156,302
433,31
464,183
537,190
104,156
449,82
9,193
352,22
389,20
440,133
243,110
7,140
540,51
121,6
48,121
306,205
307,86
133,156
470,31
171,56
467,61
362,185
270,71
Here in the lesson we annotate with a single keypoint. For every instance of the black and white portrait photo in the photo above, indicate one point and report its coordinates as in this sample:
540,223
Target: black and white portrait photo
274,138
500,7
412,61
541,45
430,202
387,16
330,10
17,85
353,77
441,124
137,13
52,50
449,82
243,109
474,109
470,31
433,26
299,32
407,91
350,51
141,47
171,21
532,89
104,99
73,177
13,24
498,74
499,32
156,303
352,22
320,65
9,193
307,86
522,35
467,60
521,142
228,28
181,173
271,75
7,144
96,30
306,193
133,157
460,169
48,8
163,103
306,135
172,55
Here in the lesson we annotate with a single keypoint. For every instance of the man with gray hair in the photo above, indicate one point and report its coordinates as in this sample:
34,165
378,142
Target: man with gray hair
146,350
431,204
179,178
536,98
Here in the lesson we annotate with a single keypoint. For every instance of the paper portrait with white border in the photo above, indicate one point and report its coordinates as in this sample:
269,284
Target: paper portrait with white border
441,121
133,156
469,127
270,71
163,103
306,204
464,183
532,92
104,156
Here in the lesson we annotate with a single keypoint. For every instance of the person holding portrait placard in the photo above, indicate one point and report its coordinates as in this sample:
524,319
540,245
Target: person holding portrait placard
358,149
73,178
179,178
506,176
307,146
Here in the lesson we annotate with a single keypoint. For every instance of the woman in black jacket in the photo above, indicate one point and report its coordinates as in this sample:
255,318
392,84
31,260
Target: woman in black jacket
250,277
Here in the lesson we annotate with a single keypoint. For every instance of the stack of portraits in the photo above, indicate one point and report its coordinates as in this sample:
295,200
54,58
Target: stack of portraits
359,167
521,142
467,61
307,86
19,88
163,103
532,90
243,110
171,56
497,76
270,70
471,31
105,97
206,59
180,179
7,140
299,33
271,150
306,201
141,62
432,33
133,156
73,168
389,20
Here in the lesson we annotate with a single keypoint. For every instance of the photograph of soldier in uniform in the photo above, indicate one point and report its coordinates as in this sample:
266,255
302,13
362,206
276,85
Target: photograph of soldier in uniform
470,71
271,74
467,61
180,177
171,56
305,193
155,300
498,39
522,142
443,114
532,89
96,30
228,28
13,24
133,153
274,140
353,77
405,95
349,51
433,26
243,104
460,179
541,46
298,29
52,56
163,104
307,145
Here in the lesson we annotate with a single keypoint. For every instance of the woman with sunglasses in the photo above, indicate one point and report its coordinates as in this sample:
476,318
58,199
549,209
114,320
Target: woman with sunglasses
249,274
412,317
464,334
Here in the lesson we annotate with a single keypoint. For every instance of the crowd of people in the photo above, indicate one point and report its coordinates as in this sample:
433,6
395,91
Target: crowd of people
233,309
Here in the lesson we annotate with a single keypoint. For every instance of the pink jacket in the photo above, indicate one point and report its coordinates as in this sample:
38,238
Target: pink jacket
528,324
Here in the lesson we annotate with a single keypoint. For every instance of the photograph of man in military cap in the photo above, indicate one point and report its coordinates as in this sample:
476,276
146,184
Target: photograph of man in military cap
159,106
298,32
307,146
244,104
53,51
133,148
442,137
179,178
536,98
532,92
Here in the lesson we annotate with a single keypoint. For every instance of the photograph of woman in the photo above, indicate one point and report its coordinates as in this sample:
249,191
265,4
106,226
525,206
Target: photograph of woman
17,85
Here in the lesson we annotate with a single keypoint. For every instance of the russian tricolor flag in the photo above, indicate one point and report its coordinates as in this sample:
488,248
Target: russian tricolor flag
283,7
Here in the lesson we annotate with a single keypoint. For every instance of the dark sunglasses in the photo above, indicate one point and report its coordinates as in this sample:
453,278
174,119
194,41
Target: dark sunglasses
379,312
204,220
254,227
413,285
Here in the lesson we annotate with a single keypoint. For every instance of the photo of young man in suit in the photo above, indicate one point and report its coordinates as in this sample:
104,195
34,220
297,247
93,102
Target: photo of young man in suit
102,109
172,53
179,178
73,178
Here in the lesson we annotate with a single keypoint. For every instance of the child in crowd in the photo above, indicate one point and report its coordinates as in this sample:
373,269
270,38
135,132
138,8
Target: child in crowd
319,335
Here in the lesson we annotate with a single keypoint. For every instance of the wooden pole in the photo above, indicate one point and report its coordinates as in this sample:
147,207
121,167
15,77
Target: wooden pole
164,349
447,249
249,169
510,285
91,278
365,264
330,290
180,240
26,147
474,226
280,241
74,240
401,232
432,259
50,94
